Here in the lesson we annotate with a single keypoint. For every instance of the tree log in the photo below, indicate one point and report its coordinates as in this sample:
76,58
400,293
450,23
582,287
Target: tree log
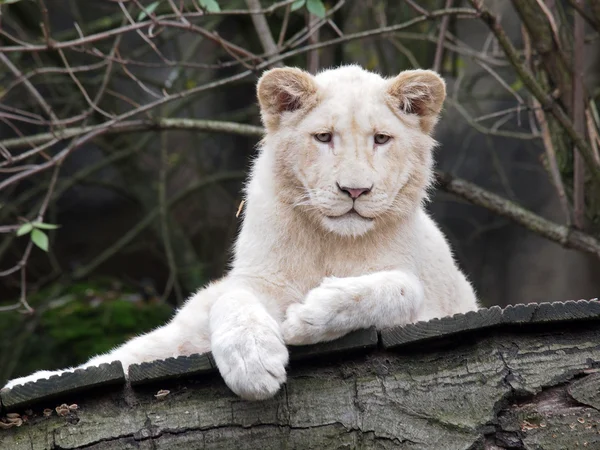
525,377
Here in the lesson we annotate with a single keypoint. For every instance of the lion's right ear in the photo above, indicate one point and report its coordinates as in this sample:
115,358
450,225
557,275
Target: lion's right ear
284,90
419,92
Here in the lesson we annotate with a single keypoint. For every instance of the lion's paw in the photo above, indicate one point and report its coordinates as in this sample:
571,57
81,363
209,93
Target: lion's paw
320,318
251,360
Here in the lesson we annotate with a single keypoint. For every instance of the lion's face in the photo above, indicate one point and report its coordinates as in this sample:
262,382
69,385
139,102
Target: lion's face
354,147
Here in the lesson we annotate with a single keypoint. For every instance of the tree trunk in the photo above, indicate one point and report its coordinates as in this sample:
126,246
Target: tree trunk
520,378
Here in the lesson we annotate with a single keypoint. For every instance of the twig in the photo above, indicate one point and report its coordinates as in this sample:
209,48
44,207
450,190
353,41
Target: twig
463,12
32,90
22,264
581,10
416,7
46,30
136,125
593,133
262,29
48,70
308,30
405,51
578,106
106,126
540,116
439,50
164,219
551,22
551,158
80,86
501,81
143,35
312,61
477,126
284,25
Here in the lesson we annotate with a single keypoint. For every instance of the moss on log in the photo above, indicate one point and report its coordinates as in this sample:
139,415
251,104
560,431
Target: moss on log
518,381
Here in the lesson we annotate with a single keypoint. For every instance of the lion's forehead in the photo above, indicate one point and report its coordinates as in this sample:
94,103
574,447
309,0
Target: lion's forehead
355,112
350,74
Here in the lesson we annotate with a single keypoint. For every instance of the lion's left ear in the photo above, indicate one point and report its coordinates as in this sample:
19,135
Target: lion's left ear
420,92
284,90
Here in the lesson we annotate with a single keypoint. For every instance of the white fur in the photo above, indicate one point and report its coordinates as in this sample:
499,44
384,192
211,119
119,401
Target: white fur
304,269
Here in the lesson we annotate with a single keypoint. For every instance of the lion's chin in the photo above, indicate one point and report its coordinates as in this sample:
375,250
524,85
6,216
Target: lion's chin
350,224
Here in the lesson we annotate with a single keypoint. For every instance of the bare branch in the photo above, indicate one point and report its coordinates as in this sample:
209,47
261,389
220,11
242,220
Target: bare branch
578,105
546,101
262,29
137,125
32,90
560,234
312,62
439,50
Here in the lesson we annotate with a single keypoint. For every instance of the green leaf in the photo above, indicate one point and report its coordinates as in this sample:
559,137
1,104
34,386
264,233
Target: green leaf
517,85
8,2
40,239
45,226
297,4
316,7
146,11
210,5
24,229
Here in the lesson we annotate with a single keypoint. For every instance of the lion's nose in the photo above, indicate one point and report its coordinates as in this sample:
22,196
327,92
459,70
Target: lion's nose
354,193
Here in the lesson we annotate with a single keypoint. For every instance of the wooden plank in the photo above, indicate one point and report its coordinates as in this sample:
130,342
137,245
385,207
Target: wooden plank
65,383
171,368
483,318
569,310
200,364
520,313
359,340
488,317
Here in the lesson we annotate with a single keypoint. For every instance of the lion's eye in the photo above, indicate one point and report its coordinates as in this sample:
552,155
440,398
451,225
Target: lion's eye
381,139
323,137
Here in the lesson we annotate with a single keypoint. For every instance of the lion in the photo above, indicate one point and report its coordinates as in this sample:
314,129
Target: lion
335,236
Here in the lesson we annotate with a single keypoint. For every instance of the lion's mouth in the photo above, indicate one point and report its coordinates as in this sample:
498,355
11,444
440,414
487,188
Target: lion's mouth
350,213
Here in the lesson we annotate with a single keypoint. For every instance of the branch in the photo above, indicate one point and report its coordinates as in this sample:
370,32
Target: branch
32,90
546,101
106,126
164,222
137,125
595,23
312,60
563,235
262,29
489,131
578,110
439,50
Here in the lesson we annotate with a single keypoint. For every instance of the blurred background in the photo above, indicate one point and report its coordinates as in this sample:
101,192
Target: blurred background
127,128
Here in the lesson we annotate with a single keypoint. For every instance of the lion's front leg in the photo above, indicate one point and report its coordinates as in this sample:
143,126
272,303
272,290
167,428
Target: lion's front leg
340,305
247,345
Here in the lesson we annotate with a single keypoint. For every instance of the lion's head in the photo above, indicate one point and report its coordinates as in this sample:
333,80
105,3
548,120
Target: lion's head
352,149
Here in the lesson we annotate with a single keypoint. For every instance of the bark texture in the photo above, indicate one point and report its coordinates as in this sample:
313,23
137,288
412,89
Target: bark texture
509,386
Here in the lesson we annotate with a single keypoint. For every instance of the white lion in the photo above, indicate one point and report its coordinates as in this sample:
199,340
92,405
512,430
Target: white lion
335,236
